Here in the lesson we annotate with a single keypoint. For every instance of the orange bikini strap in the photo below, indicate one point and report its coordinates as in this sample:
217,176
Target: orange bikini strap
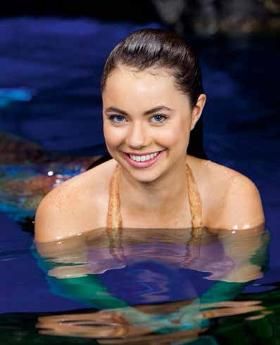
194,200
114,220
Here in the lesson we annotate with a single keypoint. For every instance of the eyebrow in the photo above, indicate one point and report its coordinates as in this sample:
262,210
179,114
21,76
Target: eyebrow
147,112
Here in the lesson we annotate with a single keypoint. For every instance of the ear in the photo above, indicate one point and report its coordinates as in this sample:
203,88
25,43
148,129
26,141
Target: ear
197,109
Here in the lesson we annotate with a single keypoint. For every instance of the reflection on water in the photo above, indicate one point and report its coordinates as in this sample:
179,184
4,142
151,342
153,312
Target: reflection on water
153,285
28,173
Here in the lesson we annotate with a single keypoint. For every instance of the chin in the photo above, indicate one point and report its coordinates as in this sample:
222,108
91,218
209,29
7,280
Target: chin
145,178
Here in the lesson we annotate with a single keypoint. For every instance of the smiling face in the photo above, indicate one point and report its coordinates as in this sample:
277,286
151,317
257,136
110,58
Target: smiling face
147,121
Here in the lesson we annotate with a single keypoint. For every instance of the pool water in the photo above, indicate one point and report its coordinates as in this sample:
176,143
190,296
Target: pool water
159,287
140,286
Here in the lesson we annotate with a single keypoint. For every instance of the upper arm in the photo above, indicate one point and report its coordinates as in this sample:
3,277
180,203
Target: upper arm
48,220
242,207
56,216
67,211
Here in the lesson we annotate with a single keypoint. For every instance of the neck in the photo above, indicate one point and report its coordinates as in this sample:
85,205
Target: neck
161,194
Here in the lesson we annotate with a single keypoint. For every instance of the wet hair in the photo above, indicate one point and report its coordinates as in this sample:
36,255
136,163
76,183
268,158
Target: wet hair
155,48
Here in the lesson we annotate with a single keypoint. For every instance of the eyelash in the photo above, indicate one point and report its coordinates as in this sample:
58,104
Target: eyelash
113,118
163,118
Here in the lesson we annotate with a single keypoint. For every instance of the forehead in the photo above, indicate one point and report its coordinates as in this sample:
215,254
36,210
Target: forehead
136,77
150,86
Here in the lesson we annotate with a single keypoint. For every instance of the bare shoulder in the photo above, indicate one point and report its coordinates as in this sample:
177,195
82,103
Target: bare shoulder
243,207
75,206
230,199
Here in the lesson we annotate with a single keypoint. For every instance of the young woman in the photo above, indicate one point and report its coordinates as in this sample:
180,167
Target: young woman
152,99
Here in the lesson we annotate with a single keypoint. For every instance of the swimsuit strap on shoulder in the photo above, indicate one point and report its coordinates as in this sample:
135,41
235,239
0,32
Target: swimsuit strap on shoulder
114,220
194,200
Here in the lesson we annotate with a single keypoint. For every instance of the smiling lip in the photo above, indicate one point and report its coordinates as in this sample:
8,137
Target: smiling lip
142,164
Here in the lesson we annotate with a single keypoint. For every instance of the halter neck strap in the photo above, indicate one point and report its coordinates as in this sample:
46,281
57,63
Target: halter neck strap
114,219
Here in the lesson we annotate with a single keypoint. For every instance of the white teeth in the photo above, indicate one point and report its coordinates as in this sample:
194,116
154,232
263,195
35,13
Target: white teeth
144,157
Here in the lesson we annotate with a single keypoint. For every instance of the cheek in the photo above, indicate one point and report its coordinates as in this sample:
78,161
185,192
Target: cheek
176,135
113,136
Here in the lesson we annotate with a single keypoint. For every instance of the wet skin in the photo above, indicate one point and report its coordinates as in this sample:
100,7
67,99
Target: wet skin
145,113
146,117
147,123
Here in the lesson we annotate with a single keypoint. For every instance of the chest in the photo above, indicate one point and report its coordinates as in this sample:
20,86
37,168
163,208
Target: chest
174,217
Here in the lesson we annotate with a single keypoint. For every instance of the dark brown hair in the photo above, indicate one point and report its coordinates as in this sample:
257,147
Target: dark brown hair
161,49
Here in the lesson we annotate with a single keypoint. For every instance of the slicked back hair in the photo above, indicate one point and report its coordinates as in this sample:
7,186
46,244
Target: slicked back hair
155,48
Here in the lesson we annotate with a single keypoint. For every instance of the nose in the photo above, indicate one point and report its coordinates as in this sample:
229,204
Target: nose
137,136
